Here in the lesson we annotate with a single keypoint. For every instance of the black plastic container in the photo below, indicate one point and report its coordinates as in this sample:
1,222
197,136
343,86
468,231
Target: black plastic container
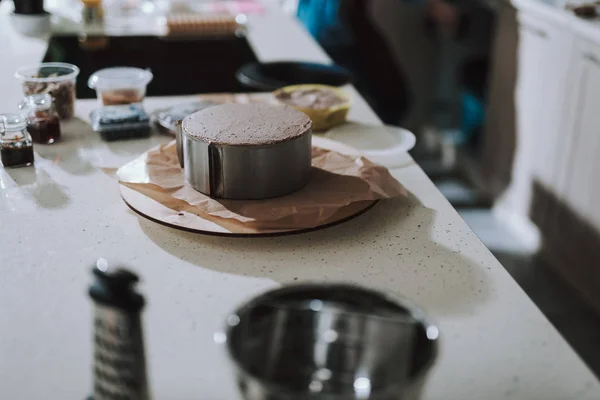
128,121
29,7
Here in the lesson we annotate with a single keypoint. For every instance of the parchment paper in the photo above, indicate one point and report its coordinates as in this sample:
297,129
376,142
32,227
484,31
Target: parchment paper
337,180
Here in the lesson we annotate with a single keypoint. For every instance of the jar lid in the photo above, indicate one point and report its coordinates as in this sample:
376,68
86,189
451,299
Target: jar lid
48,72
38,102
11,122
120,78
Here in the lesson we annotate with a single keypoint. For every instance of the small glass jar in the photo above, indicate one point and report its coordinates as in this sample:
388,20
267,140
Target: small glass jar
16,147
43,123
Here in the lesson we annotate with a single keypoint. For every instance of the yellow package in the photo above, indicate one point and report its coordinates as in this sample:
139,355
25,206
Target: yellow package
327,106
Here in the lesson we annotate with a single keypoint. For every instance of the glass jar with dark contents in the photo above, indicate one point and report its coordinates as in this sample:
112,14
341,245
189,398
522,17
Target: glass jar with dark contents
16,147
43,123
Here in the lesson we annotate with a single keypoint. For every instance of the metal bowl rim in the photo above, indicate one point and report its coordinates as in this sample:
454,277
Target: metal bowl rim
414,311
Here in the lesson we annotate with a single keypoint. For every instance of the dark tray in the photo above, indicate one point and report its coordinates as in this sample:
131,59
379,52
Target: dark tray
181,66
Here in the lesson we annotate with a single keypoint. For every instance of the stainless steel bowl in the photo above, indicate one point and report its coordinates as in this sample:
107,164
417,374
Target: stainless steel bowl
330,341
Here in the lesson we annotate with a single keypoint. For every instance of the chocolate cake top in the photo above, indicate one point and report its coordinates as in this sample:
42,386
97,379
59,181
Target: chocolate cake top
246,124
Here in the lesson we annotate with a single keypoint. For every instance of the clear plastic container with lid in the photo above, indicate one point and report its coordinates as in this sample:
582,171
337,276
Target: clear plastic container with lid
120,85
56,79
43,123
16,147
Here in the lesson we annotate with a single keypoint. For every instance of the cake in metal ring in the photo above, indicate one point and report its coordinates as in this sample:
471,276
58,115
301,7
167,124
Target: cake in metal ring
246,151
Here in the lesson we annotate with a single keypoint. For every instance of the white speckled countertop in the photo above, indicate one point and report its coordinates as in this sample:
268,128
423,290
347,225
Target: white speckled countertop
59,217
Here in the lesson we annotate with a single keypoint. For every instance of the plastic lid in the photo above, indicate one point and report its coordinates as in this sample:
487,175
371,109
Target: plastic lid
38,102
119,78
119,118
11,122
168,117
48,72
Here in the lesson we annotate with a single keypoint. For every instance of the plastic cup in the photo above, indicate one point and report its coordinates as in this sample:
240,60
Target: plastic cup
56,79
120,85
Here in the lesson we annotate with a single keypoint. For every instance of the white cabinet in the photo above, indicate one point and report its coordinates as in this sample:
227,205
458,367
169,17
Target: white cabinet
544,110
544,60
535,48
578,178
526,96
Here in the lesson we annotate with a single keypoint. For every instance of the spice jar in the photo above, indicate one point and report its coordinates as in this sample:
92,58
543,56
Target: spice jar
92,12
16,147
42,120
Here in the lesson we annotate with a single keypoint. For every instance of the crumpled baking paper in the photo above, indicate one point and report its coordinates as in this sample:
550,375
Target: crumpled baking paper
340,178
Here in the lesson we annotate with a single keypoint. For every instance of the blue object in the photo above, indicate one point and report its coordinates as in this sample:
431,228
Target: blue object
322,19
472,115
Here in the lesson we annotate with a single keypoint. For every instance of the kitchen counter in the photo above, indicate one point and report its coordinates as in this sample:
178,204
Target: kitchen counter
62,215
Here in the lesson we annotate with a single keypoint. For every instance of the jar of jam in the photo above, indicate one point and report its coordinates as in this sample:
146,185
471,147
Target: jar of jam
16,147
43,123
